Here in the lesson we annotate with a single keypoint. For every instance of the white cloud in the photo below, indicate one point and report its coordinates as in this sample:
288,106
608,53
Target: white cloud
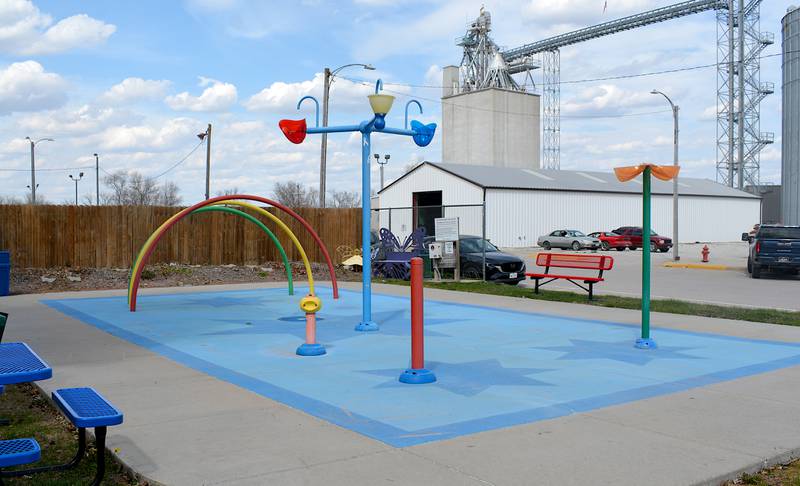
26,86
149,137
73,122
607,98
709,113
135,89
280,97
24,29
217,96
582,12
433,76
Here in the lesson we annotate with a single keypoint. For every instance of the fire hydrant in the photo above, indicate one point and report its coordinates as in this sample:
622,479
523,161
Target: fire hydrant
705,251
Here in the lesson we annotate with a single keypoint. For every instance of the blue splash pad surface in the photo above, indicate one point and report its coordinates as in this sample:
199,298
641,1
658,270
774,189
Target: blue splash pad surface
495,368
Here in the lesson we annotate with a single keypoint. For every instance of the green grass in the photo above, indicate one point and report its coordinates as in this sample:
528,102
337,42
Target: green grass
782,475
771,316
31,415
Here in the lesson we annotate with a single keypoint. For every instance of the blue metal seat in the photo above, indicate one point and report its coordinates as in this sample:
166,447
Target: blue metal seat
19,364
84,407
16,452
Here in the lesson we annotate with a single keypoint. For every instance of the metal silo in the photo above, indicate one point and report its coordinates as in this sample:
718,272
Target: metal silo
790,172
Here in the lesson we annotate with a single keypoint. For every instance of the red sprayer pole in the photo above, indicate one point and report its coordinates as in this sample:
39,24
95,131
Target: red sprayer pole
417,335
417,374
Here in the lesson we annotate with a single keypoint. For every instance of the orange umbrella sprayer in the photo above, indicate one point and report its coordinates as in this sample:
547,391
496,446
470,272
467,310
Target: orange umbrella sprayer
625,174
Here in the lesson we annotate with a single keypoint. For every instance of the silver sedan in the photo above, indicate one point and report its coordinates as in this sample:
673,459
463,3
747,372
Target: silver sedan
568,239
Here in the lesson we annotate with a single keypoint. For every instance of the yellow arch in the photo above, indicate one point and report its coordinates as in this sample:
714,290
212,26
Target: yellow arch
282,226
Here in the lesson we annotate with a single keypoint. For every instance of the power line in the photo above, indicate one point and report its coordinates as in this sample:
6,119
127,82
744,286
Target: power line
176,164
579,81
48,170
489,110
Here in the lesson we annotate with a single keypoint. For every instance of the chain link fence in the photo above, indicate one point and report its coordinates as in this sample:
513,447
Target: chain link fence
403,221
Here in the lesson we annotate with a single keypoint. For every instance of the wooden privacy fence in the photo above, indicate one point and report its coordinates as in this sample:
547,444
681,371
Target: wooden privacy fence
110,236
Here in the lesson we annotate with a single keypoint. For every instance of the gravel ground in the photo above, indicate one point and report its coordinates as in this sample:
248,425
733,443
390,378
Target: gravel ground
42,280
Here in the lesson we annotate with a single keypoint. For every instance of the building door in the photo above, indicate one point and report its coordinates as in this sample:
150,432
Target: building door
427,207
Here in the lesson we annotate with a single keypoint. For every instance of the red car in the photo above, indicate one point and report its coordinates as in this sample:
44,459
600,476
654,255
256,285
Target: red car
609,240
634,233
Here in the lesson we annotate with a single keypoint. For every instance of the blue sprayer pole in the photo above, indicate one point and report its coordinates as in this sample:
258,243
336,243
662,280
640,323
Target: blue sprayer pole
366,323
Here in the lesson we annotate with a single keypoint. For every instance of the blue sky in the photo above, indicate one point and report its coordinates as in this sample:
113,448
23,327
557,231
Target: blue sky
135,81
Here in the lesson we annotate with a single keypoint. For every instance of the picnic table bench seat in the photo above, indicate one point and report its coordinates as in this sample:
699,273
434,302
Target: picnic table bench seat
16,452
84,408
600,263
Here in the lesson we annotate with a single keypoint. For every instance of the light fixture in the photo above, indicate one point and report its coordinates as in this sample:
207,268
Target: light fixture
381,103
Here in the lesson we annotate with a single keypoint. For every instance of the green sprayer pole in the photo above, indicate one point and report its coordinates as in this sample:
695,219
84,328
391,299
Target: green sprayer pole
646,253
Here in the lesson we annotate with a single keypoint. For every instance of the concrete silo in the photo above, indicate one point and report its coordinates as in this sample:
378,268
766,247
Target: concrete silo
790,172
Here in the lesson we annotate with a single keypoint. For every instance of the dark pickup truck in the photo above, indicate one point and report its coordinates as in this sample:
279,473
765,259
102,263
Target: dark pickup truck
773,248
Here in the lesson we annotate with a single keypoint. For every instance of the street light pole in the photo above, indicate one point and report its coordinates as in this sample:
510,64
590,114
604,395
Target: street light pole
381,164
76,179
33,165
97,177
323,158
675,135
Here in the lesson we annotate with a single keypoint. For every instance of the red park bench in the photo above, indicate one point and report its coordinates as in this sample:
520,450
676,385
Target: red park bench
600,263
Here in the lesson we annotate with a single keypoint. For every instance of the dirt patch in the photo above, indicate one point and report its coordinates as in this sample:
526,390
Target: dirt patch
42,280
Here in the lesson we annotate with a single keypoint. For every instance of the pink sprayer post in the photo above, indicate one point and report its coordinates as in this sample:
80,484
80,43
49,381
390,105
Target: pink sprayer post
311,328
417,374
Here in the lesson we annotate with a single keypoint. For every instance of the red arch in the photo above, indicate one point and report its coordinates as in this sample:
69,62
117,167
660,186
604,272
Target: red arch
137,276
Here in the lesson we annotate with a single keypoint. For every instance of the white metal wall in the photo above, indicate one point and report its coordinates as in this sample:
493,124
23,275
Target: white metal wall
427,178
516,218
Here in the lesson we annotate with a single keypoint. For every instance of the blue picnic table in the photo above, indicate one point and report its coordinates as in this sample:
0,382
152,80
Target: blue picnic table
19,364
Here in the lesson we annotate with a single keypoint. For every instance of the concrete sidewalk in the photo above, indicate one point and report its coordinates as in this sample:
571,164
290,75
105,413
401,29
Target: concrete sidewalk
183,427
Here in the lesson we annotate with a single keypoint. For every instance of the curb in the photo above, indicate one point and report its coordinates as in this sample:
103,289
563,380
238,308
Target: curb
700,266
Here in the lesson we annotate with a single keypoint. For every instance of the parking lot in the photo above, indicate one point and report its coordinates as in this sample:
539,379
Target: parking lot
732,286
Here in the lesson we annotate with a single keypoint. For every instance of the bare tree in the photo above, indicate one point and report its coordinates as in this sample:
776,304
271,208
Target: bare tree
345,199
143,190
88,200
40,199
295,195
135,189
9,200
118,182
168,194
232,191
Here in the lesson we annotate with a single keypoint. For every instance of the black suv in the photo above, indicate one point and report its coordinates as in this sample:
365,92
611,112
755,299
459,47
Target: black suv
773,247
500,267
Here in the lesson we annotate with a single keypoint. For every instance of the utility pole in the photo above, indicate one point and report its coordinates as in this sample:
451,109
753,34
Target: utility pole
33,165
33,171
381,164
97,177
76,179
323,158
207,137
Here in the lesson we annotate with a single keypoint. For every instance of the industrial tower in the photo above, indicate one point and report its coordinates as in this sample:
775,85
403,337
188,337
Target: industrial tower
740,43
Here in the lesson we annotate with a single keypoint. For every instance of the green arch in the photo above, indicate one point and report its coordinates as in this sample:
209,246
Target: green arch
266,230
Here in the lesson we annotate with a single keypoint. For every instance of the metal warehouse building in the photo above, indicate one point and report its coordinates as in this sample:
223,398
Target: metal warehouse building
523,204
